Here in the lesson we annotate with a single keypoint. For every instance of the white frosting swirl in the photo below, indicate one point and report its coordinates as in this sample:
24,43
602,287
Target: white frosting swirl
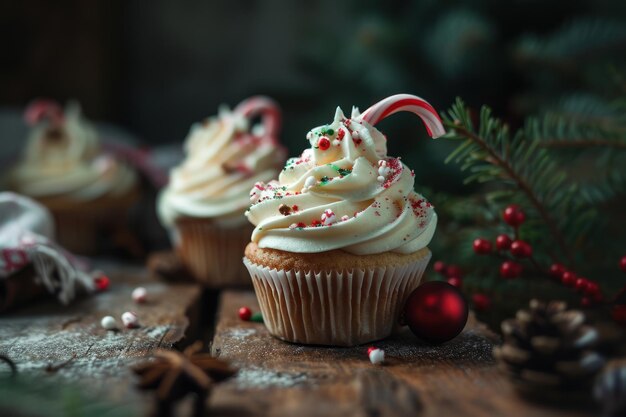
342,193
224,158
63,159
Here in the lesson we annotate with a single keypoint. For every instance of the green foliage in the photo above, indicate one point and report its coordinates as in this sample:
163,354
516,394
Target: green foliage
519,170
40,396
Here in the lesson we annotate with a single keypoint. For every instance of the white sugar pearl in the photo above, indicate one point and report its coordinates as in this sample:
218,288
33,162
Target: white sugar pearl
380,178
377,356
130,320
140,295
108,322
345,217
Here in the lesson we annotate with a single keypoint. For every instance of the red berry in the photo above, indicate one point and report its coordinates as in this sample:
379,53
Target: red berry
245,313
453,271
521,249
482,246
556,270
455,282
510,269
482,302
513,215
622,263
440,267
503,242
102,283
323,143
592,288
568,278
586,302
581,284
619,314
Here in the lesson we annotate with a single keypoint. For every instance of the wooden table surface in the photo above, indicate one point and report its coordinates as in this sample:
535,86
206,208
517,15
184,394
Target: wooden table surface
67,346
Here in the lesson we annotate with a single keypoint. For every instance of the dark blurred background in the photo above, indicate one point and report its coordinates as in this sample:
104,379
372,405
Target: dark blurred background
153,68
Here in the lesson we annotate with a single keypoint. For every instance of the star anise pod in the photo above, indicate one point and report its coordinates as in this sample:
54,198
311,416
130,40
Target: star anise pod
173,375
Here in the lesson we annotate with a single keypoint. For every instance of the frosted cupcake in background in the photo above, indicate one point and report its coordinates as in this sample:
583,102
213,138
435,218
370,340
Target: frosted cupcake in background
341,238
204,203
63,167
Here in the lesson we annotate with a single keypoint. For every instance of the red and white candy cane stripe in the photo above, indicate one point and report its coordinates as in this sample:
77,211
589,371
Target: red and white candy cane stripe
41,109
408,103
264,107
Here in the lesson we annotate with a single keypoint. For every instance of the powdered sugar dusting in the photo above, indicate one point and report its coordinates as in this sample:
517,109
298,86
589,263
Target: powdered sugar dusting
255,377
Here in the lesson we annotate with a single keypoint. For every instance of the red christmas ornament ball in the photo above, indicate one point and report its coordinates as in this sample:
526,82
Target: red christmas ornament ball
513,215
482,246
436,312
503,242
622,263
245,313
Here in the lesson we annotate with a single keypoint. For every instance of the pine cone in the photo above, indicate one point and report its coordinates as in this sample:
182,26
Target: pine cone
549,348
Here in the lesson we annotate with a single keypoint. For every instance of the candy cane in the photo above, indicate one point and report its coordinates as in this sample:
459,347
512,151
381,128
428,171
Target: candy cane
405,102
41,109
264,107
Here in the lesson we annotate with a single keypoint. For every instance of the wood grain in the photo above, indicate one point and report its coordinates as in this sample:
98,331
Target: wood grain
67,344
278,379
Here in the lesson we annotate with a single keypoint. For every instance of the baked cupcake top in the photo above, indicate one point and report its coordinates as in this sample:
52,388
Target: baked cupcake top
345,192
63,158
225,156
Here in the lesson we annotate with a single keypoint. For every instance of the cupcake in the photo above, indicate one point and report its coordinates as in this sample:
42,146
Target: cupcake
203,206
88,191
341,237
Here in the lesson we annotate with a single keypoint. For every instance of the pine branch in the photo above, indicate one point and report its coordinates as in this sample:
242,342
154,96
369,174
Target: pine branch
582,143
502,161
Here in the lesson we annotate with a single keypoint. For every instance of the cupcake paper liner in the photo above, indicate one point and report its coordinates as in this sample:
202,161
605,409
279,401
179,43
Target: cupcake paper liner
79,226
213,253
339,308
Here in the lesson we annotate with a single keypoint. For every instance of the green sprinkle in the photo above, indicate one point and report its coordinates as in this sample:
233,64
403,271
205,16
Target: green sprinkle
341,171
257,318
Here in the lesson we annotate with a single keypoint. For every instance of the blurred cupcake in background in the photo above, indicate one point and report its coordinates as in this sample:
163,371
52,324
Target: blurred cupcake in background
63,166
203,206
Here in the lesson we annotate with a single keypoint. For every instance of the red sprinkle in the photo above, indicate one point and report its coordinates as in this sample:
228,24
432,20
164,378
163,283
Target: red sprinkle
323,143
340,134
294,207
102,283
245,313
